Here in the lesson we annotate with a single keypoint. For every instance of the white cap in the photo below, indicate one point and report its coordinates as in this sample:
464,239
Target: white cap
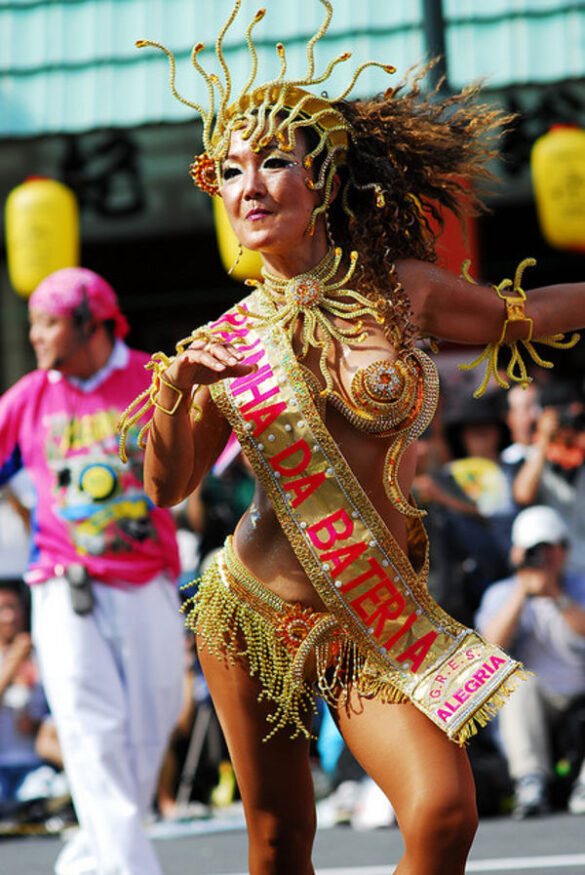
538,525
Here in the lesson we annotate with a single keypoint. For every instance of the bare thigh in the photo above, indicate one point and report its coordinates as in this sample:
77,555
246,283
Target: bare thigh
426,776
273,776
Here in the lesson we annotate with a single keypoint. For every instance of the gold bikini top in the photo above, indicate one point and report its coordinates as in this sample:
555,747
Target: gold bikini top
395,400
386,397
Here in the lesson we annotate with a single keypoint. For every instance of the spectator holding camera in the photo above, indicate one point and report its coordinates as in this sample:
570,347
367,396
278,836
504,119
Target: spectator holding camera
538,615
553,472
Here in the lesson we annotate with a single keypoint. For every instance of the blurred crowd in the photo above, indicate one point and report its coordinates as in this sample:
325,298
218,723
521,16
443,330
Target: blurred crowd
502,481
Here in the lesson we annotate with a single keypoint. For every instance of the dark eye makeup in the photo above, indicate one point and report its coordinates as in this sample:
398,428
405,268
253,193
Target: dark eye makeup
275,162
272,162
230,172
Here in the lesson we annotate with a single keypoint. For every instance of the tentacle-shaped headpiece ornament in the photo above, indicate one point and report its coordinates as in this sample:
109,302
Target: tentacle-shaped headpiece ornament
272,111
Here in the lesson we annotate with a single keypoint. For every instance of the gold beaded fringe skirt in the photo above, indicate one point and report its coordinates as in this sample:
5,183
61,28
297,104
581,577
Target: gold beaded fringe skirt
296,652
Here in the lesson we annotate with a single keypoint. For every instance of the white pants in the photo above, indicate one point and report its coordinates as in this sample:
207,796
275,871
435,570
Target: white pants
113,679
524,724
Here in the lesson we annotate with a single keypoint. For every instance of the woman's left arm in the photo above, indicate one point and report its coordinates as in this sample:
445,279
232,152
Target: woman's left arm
453,308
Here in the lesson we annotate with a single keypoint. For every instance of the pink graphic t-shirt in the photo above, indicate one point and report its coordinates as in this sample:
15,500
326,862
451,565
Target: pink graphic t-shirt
90,507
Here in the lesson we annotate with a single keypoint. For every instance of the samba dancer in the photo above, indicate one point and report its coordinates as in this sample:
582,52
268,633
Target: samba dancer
319,373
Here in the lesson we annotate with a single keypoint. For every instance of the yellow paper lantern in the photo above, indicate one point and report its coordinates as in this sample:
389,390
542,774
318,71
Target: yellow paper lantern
250,263
42,231
558,174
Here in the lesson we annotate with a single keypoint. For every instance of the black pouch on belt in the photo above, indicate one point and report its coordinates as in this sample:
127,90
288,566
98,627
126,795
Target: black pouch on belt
79,588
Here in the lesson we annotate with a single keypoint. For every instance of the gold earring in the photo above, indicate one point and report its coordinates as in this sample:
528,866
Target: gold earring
328,230
238,256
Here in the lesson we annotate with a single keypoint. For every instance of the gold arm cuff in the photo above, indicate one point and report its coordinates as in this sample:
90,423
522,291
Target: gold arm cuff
170,411
515,313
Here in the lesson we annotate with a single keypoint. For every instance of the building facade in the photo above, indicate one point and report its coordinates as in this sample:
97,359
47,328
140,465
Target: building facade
78,102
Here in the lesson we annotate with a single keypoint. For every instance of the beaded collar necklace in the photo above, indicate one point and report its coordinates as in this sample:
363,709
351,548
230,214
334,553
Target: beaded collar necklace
308,287
316,297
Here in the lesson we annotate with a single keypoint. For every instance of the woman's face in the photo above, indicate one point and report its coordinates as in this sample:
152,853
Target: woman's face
266,197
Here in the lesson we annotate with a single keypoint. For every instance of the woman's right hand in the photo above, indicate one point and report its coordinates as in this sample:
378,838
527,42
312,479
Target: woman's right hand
205,362
181,447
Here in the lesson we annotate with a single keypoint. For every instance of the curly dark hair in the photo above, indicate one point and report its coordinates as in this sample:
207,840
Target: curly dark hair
424,151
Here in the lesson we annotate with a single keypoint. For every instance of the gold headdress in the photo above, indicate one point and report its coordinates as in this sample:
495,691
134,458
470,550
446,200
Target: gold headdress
273,111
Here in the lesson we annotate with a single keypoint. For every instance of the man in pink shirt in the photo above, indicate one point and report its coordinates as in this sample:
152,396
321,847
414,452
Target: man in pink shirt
104,562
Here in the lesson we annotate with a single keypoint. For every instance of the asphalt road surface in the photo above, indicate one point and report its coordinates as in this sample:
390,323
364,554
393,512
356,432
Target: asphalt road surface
552,845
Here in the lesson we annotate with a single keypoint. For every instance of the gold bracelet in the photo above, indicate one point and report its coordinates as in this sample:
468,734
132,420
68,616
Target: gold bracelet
516,371
515,313
154,396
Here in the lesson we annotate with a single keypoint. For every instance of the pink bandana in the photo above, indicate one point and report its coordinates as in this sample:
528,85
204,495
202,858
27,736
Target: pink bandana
78,290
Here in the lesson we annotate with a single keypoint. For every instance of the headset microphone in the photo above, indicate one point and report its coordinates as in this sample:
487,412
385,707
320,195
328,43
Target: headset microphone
60,360
82,317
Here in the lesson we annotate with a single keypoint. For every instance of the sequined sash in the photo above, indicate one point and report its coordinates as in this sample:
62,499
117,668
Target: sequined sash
362,575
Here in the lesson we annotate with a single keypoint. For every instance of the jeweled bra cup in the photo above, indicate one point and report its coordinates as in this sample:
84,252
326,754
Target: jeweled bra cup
402,416
383,397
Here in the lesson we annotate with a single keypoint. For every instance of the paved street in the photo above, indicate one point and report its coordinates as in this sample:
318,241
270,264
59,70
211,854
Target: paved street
552,845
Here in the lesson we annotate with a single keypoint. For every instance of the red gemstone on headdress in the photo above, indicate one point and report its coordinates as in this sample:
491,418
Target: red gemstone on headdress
203,173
